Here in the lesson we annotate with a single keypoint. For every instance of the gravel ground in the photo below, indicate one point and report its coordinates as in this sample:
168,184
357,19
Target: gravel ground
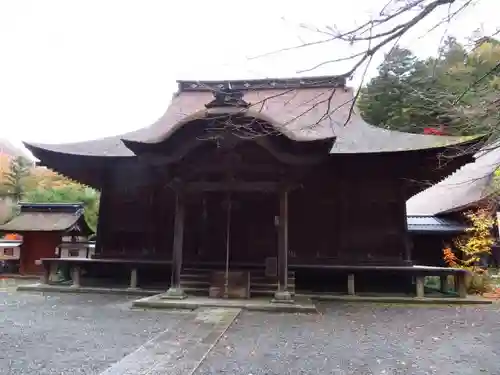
72,334
86,334
362,339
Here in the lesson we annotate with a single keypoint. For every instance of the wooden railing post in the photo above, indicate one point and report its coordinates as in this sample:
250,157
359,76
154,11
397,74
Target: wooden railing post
46,273
133,278
460,284
351,290
75,275
443,284
420,279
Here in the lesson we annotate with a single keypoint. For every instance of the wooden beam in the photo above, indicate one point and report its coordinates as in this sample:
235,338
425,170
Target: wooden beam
249,186
199,169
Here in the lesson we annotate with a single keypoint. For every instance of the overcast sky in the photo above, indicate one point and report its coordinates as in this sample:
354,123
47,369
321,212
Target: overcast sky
76,70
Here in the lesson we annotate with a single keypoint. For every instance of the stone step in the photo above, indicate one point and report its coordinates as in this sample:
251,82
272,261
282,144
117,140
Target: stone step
195,282
253,292
270,285
256,286
197,270
196,291
269,292
253,280
194,275
254,277
256,273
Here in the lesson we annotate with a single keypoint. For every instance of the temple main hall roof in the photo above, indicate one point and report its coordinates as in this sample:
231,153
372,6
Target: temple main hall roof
302,109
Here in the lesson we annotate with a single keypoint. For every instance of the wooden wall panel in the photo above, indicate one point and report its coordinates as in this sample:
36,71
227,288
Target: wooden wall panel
350,210
37,245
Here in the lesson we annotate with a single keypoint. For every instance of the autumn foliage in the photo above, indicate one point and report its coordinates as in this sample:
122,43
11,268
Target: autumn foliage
38,184
450,258
433,131
476,242
12,237
472,245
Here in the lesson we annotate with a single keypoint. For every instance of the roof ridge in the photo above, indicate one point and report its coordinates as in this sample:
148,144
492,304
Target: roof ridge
262,83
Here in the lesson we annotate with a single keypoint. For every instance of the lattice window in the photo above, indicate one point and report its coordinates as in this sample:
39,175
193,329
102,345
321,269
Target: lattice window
8,252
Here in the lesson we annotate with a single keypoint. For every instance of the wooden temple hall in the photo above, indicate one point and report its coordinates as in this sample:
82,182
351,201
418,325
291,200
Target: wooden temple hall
258,187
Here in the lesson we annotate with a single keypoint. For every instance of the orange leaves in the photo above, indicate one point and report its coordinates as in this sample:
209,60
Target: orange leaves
12,237
449,257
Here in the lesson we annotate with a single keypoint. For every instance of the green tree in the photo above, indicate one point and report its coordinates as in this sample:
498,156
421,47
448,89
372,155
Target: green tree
382,101
14,177
458,90
71,193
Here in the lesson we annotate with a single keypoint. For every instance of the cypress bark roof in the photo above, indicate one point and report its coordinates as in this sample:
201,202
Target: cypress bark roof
48,218
303,109
465,187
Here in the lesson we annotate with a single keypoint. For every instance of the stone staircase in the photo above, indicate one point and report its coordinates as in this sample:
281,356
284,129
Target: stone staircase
196,281
262,285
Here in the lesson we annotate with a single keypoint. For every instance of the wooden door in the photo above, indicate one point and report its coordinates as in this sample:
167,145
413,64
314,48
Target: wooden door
253,229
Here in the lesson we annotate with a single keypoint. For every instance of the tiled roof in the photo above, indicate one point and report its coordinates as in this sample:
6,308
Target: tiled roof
466,186
41,222
41,217
303,109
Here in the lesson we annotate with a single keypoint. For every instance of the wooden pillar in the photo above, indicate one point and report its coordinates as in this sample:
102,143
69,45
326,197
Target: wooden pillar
350,285
175,291
420,286
133,278
103,211
282,294
75,276
408,248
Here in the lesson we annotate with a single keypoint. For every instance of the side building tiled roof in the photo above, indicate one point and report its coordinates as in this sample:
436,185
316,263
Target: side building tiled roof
35,217
432,224
466,186
302,109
